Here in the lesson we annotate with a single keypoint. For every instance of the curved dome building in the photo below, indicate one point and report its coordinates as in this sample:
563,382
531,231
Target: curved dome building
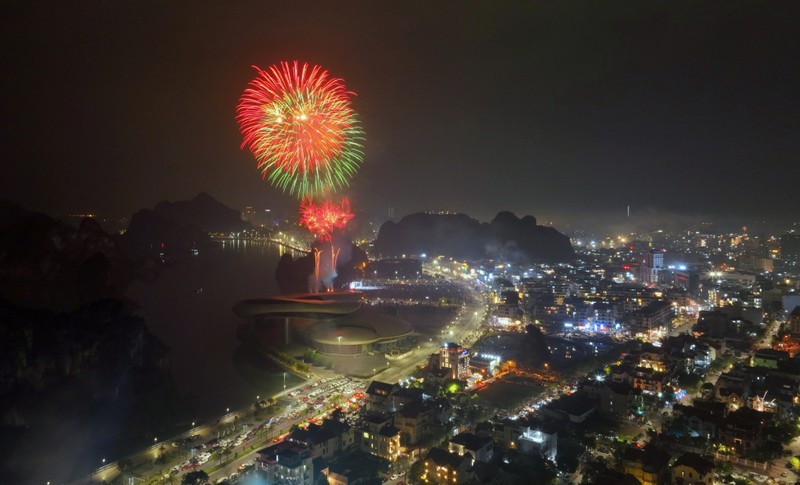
360,332
339,325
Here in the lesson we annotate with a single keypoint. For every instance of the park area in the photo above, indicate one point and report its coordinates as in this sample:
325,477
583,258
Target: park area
509,395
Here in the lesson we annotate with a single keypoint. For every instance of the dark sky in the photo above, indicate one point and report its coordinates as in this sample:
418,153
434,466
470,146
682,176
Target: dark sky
557,109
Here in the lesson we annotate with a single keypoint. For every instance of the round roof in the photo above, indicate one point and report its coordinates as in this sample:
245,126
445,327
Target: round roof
363,327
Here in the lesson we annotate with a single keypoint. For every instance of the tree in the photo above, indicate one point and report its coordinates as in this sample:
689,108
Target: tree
533,351
195,478
415,472
567,462
593,468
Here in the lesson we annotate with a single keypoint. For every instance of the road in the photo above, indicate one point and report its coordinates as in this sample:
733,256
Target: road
464,329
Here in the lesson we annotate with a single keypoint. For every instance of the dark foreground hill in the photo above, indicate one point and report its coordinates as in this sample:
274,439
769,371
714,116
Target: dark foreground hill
75,359
459,236
45,263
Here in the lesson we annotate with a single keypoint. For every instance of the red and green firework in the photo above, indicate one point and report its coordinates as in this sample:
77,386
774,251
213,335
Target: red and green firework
299,124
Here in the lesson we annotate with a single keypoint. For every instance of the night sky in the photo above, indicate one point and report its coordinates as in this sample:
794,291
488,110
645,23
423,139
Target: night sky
557,109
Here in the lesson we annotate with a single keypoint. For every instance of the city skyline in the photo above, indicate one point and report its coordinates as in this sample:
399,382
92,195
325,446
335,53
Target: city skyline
568,113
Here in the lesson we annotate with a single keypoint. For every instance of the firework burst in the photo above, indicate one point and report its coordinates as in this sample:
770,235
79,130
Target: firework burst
322,219
299,124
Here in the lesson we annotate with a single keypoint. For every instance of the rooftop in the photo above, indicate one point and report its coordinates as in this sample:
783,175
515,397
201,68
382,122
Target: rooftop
695,461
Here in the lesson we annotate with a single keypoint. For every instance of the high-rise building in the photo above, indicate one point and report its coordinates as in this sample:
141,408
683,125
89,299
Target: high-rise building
653,264
456,358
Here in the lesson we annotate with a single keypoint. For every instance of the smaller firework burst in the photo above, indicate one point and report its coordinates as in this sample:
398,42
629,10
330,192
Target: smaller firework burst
322,219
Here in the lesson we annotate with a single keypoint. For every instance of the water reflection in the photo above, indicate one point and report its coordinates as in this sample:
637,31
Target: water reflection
199,327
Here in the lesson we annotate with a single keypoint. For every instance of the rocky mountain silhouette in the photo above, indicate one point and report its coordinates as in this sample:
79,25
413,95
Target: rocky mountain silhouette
506,238
174,228
204,212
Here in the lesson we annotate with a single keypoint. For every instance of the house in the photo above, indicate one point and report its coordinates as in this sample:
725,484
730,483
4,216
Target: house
414,421
741,430
436,376
618,399
649,465
388,398
704,418
338,475
649,380
541,440
527,435
379,397
622,373
692,469
446,468
405,396
773,394
478,447
733,388
287,461
654,360
325,440
380,438
575,408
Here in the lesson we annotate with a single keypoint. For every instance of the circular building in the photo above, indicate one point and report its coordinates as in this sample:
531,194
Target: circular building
360,332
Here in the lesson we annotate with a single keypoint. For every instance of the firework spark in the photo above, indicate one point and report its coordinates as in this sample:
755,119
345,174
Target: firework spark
299,124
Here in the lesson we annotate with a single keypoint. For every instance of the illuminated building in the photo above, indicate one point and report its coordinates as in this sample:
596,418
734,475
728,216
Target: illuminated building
388,398
538,442
380,438
477,447
649,465
653,264
742,430
287,462
443,467
326,440
648,380
618,399
654,315
692,468
455,358
414,421
654,360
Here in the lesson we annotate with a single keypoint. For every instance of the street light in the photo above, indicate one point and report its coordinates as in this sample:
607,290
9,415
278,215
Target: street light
284,382
340,343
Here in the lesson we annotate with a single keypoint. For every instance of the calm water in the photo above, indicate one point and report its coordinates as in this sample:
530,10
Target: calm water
199,327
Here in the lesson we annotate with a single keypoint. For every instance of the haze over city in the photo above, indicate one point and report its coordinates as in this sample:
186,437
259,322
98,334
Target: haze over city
393,243
567,111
